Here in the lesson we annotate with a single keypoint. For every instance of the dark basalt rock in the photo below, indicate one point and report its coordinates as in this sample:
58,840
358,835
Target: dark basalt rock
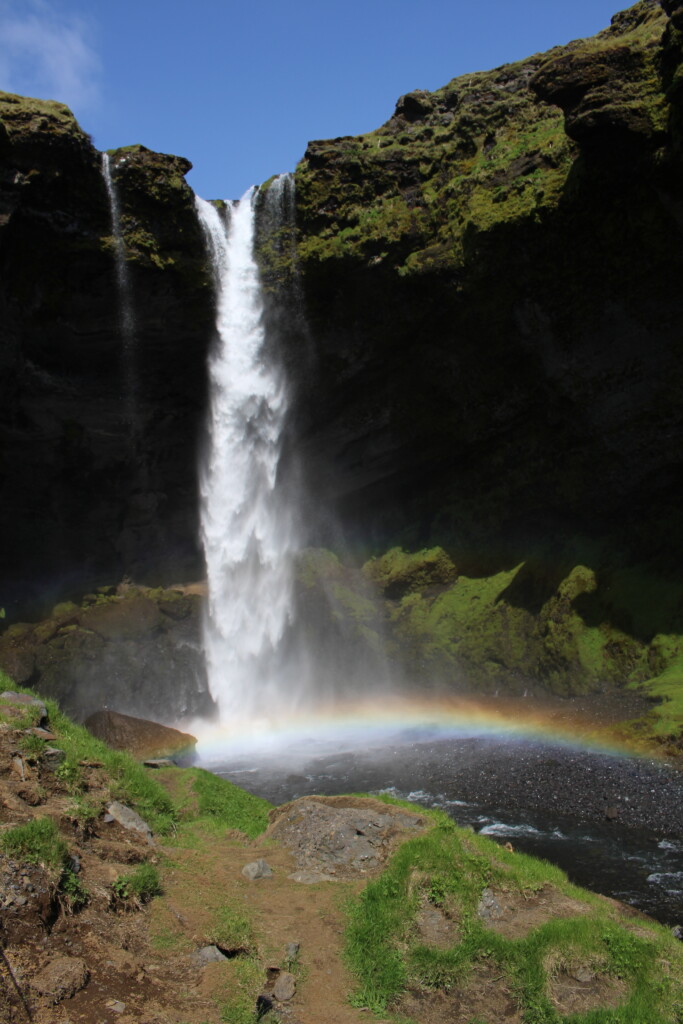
493,293
83,500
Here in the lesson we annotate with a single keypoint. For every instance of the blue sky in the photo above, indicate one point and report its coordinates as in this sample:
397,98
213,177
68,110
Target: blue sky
239,89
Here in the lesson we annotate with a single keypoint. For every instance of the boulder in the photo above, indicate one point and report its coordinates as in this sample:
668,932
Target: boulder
140,737
129,819
61,979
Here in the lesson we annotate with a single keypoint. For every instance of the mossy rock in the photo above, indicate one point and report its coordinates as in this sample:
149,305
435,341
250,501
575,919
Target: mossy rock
123,618
399,572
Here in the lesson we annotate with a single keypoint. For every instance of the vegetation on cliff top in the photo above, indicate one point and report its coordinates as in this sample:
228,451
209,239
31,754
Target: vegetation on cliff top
479,153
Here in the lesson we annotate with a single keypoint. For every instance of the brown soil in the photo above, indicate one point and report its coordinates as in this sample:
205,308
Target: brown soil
513,914
103,965
582,990
485,996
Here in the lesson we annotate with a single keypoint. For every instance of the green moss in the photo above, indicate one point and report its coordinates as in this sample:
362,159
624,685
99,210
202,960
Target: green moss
666,720
400,572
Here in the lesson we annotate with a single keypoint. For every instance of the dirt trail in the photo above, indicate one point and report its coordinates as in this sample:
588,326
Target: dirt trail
283,911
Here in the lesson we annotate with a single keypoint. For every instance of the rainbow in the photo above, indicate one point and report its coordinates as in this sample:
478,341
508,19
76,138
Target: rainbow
362,725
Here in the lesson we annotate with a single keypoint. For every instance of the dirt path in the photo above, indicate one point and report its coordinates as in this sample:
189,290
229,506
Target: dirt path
283,911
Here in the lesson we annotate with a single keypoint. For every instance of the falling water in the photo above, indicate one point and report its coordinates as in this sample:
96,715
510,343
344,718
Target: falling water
247,525
126,316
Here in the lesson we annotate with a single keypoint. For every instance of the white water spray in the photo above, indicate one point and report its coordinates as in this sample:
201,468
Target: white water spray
247,526
126,316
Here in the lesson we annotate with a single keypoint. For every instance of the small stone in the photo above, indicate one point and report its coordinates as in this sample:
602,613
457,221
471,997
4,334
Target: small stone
489,908
130,819
611,812
284,987
208,955
584,974
257,869
61,979
52,758
115,1005
677,932
43,734
292,951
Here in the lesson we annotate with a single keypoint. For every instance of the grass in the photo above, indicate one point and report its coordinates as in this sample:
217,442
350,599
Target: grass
37,842
138,887
449,866
129,781
227,805
232,930
245,981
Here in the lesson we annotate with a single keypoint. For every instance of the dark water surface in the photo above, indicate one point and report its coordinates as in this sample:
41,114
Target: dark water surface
613,823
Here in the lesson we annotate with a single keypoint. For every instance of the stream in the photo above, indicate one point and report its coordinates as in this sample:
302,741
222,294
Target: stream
613,822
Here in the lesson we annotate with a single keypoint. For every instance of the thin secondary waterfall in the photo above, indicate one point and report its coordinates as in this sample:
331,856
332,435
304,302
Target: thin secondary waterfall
126,316
247,525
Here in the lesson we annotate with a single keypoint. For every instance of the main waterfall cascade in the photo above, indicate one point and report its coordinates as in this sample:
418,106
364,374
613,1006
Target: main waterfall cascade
247,524
125,302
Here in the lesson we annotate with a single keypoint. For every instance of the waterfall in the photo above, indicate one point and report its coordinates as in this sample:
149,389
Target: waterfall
247,524
125,297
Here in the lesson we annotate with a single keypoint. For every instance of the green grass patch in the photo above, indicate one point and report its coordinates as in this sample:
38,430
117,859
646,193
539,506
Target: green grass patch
138,887
231,930
74,894
227,805
37,842
450,867
246,981
129,781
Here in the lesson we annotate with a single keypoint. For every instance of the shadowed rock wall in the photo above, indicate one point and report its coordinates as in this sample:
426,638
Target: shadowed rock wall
85,499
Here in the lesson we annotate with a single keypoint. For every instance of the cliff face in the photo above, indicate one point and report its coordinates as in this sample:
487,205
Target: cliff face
492,280
85,497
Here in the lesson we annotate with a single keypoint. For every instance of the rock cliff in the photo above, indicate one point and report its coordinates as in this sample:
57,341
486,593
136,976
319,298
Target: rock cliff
492,282
85,500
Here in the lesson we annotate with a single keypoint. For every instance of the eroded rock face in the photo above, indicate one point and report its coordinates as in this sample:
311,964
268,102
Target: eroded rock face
138,651
86,501
491,282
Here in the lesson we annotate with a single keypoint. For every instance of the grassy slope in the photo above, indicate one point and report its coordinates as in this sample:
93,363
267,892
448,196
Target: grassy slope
449,867
445,866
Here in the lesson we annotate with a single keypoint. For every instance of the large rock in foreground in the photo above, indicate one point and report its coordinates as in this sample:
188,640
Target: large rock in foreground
138,736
